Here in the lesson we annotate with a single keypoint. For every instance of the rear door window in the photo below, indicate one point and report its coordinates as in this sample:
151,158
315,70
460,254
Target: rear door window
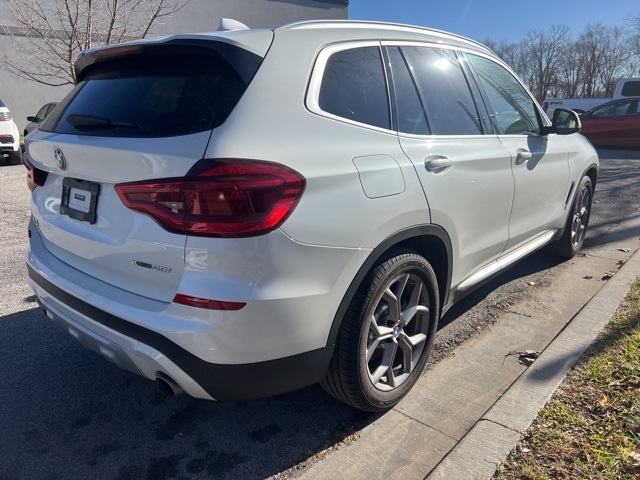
150,97
354,87
442,87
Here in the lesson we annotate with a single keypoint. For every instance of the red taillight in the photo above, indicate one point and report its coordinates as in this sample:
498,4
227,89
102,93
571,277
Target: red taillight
35,176
219,198
5,116
207,303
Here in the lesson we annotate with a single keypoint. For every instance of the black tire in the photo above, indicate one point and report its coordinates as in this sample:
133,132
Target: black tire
377,361
15,158
577,222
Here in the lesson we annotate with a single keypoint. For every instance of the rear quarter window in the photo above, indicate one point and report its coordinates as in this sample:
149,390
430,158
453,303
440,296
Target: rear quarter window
354,87
153,97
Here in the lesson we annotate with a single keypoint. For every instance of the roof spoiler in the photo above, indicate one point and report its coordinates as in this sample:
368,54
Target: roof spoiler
231,24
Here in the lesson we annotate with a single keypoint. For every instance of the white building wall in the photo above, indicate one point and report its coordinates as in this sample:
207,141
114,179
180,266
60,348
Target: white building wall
25,97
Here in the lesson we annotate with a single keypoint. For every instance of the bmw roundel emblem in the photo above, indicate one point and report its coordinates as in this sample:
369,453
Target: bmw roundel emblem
60,160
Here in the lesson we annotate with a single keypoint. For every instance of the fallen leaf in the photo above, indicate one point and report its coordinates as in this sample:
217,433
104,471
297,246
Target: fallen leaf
587,277
603,401
531,283
607,276
624,250
525,358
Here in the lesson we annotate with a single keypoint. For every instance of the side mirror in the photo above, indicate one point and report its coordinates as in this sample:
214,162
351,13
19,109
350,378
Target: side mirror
565,122
31,118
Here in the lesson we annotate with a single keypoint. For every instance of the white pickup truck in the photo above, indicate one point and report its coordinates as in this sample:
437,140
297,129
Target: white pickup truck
626,87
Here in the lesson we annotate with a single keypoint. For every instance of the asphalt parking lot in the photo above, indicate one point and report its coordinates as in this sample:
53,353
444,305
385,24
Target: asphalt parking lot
68,413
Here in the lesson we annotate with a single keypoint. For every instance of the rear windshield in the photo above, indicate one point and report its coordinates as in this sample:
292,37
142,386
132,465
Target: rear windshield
150,97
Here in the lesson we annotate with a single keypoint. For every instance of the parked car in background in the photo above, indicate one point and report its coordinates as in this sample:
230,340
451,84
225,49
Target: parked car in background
9,137
625,88
207,222
616,123
38,118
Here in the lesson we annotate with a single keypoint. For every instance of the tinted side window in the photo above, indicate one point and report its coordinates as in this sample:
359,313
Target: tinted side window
354,87
631,89
512,110
616,108
42,113
410,110
50,109
444,91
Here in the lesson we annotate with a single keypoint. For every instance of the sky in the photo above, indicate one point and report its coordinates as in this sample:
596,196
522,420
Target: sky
496,19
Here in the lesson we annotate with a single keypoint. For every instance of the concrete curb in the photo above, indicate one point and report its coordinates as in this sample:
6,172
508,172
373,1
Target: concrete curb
489,442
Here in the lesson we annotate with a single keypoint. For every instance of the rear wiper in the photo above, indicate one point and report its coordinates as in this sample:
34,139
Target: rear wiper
91,121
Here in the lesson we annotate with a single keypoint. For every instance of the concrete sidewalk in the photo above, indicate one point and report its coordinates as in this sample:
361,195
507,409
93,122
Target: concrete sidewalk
467,413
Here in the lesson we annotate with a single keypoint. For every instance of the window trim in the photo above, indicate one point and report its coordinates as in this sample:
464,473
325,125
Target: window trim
312,100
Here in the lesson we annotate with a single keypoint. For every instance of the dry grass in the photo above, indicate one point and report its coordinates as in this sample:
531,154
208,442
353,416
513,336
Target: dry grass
590,429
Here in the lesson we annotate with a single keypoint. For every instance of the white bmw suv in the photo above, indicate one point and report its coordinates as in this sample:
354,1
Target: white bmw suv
243,213
9,137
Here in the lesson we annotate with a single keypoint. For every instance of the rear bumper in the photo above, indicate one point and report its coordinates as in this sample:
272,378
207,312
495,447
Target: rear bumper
146,352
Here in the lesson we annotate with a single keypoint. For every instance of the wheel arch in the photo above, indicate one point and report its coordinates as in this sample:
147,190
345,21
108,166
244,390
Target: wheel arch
430,241
592,172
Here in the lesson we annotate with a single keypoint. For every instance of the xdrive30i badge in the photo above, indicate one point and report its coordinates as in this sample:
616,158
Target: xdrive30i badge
150,266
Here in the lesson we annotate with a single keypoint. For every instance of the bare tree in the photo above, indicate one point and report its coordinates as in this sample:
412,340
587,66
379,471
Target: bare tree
50,34
602,53
545,51
569,73
632,67
553,64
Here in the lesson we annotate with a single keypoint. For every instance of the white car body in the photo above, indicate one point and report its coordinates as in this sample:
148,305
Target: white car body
9,137
485,201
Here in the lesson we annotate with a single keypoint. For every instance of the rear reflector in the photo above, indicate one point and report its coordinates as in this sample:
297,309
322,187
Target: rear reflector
6,138
207,303
35,176
219,198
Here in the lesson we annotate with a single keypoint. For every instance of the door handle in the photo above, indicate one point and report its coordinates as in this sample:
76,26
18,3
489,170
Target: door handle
523,156
436,163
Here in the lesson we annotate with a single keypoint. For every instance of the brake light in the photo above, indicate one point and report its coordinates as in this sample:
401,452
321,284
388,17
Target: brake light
35,176
5,116
219,198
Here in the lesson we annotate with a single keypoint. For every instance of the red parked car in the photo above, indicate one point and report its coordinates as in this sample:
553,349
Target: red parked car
615,123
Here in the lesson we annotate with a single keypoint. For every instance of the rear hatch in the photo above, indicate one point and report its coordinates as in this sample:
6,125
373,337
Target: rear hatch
139,112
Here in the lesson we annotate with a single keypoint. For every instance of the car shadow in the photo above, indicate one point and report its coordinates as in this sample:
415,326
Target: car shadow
69,413
608,153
